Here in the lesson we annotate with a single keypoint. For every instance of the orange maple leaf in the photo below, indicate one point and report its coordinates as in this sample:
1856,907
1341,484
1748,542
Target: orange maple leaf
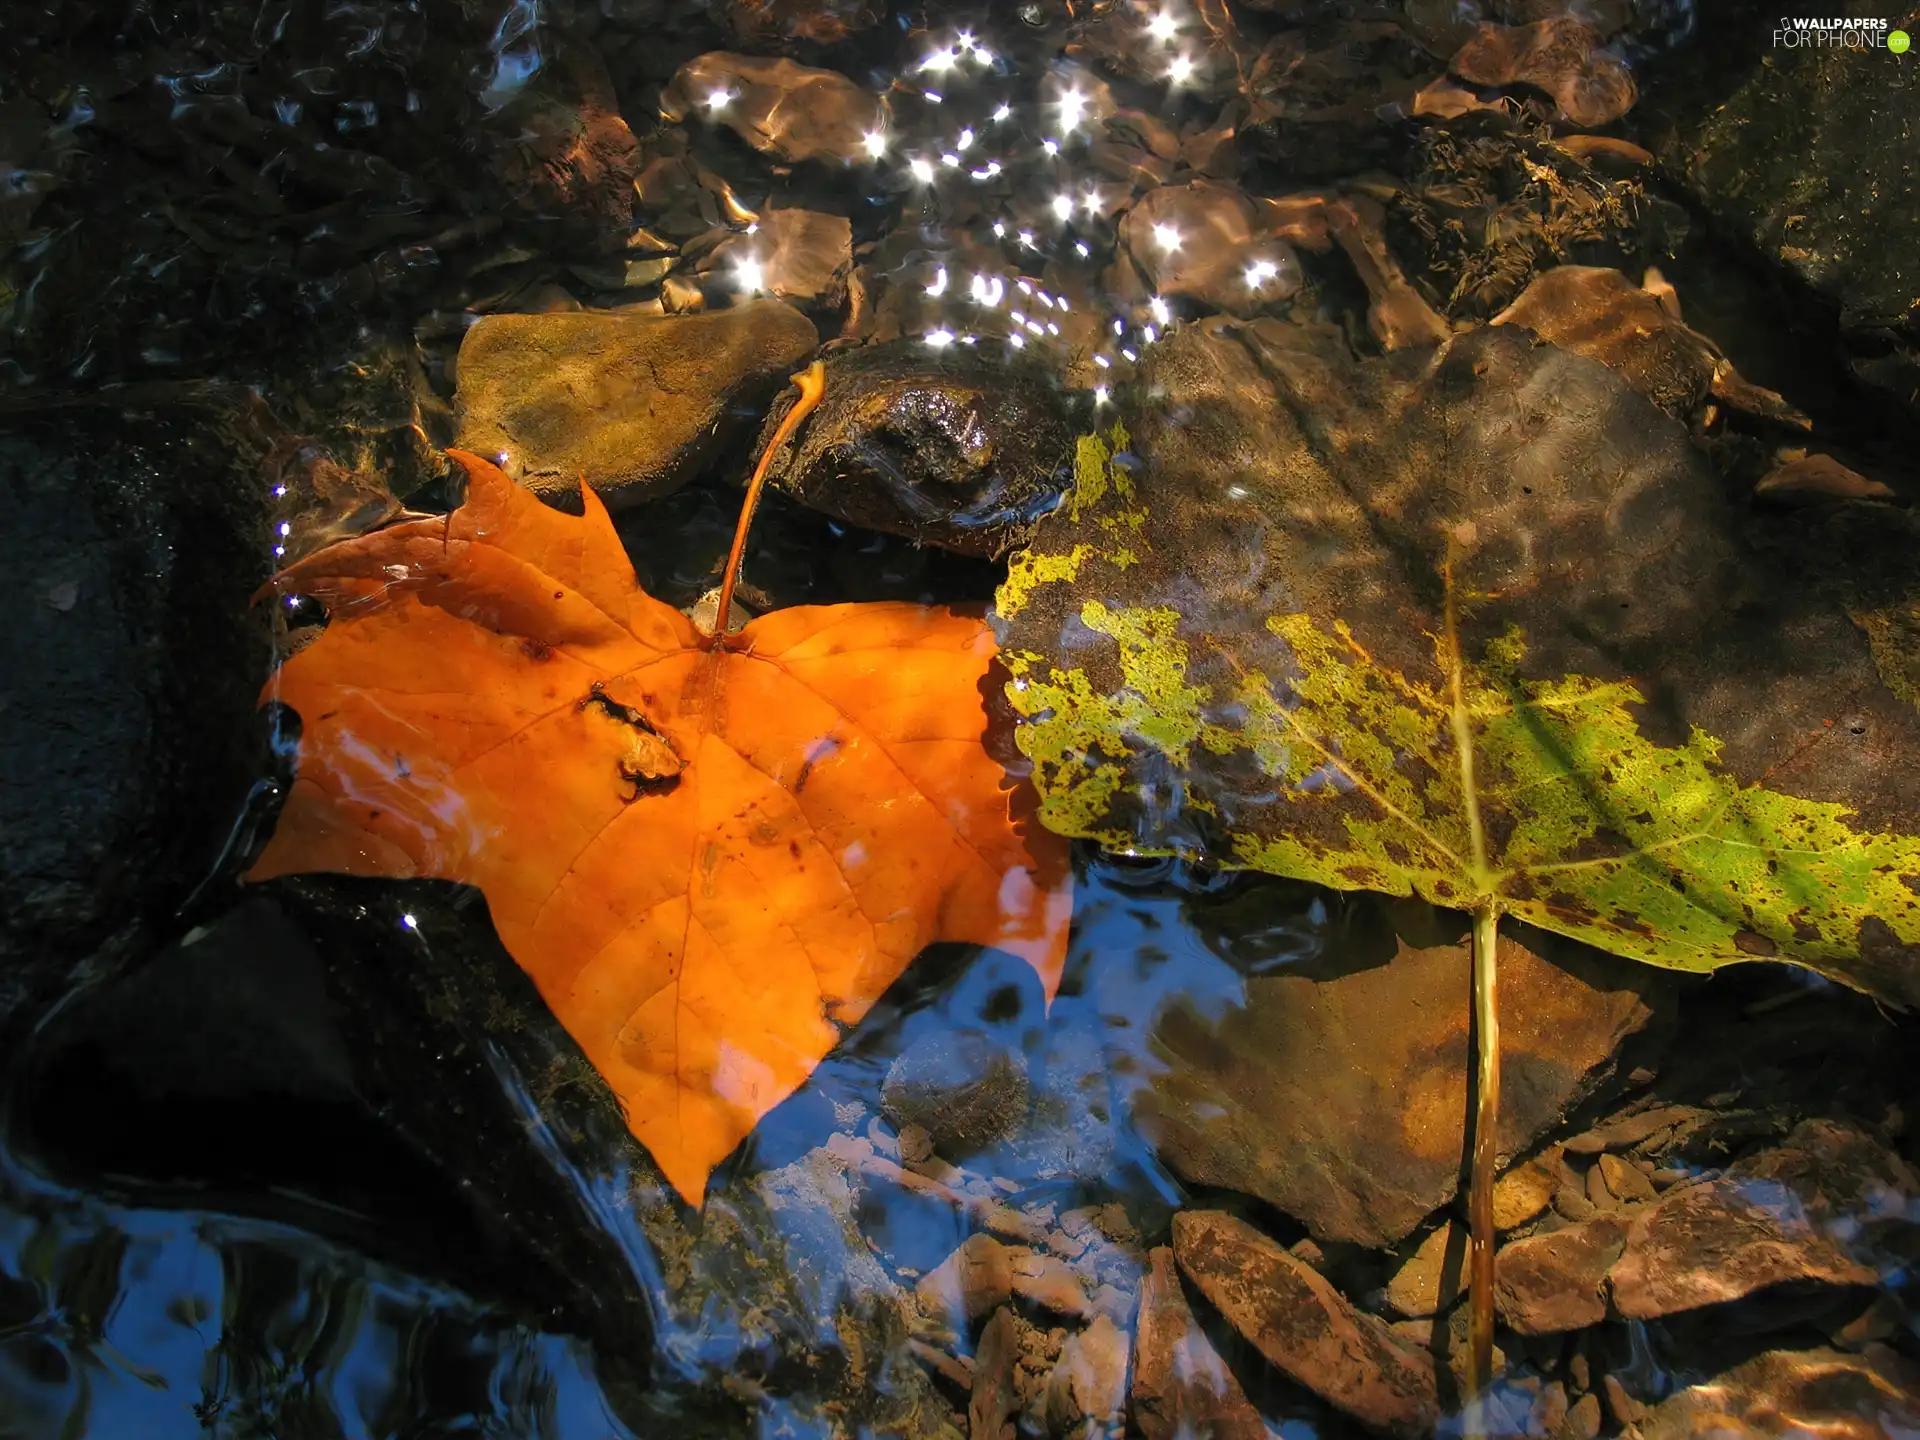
708,854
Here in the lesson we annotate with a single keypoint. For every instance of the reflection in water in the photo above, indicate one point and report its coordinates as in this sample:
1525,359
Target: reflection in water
122,1321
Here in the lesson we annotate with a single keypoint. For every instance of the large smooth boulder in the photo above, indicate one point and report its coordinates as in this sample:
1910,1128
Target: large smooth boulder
130,547
632,405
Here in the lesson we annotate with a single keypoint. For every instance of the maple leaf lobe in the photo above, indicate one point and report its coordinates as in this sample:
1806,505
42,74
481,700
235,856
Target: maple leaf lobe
700,923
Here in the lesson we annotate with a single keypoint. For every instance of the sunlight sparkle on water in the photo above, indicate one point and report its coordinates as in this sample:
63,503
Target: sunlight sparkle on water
939,339
922,169
717,99
749,275
1073,106
1160,311
1163,27
876,144
1063,206
1259,272
1166,237
1181,70
939,61
939,285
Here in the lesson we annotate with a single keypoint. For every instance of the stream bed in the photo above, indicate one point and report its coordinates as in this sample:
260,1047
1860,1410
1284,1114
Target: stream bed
1018,979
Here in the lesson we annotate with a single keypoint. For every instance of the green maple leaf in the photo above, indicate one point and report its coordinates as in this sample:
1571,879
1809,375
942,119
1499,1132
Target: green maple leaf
1506,654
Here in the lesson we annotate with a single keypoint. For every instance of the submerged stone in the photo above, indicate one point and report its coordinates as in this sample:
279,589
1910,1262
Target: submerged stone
1804,155
790,111
1341,1098
130,546
1559,55
1796,1392
630,404
1546,1284
1599,313
792,255
1721,1241
943,446
1821,1209
1182,1389
1208,240
1305,1328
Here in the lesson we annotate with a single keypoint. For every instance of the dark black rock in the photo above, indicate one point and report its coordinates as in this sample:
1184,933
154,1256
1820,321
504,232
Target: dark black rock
1802,157
947,447
129,550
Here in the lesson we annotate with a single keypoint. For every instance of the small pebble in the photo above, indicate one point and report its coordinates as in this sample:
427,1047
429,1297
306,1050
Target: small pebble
1623,1180
1583,1420
1550,1410
1624,1409
1571,1202
915,1144
1598,1195
1580,1371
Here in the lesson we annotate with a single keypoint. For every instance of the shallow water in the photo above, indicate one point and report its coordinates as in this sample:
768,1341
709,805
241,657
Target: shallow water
313,1157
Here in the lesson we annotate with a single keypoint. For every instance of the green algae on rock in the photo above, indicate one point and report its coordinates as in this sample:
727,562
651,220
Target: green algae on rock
1472,623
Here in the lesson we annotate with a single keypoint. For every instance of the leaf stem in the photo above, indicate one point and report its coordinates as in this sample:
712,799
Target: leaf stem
1486,1024
813,387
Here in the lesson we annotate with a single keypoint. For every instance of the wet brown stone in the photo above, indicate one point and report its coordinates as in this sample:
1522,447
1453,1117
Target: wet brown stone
790,111
1089,1382
1048,1283
576,159
1182,1389
1343,1100
990,1408
1720,1241
1560,56
1300,1323
1398,316
1625,1182
1600,313
1796,1392
1434,1276
972,1282
821,21
1547,1284
1206,240
1447,99
1630,1130
791,255
1819,476
1583,1420
1526,1190
631,404
944,446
